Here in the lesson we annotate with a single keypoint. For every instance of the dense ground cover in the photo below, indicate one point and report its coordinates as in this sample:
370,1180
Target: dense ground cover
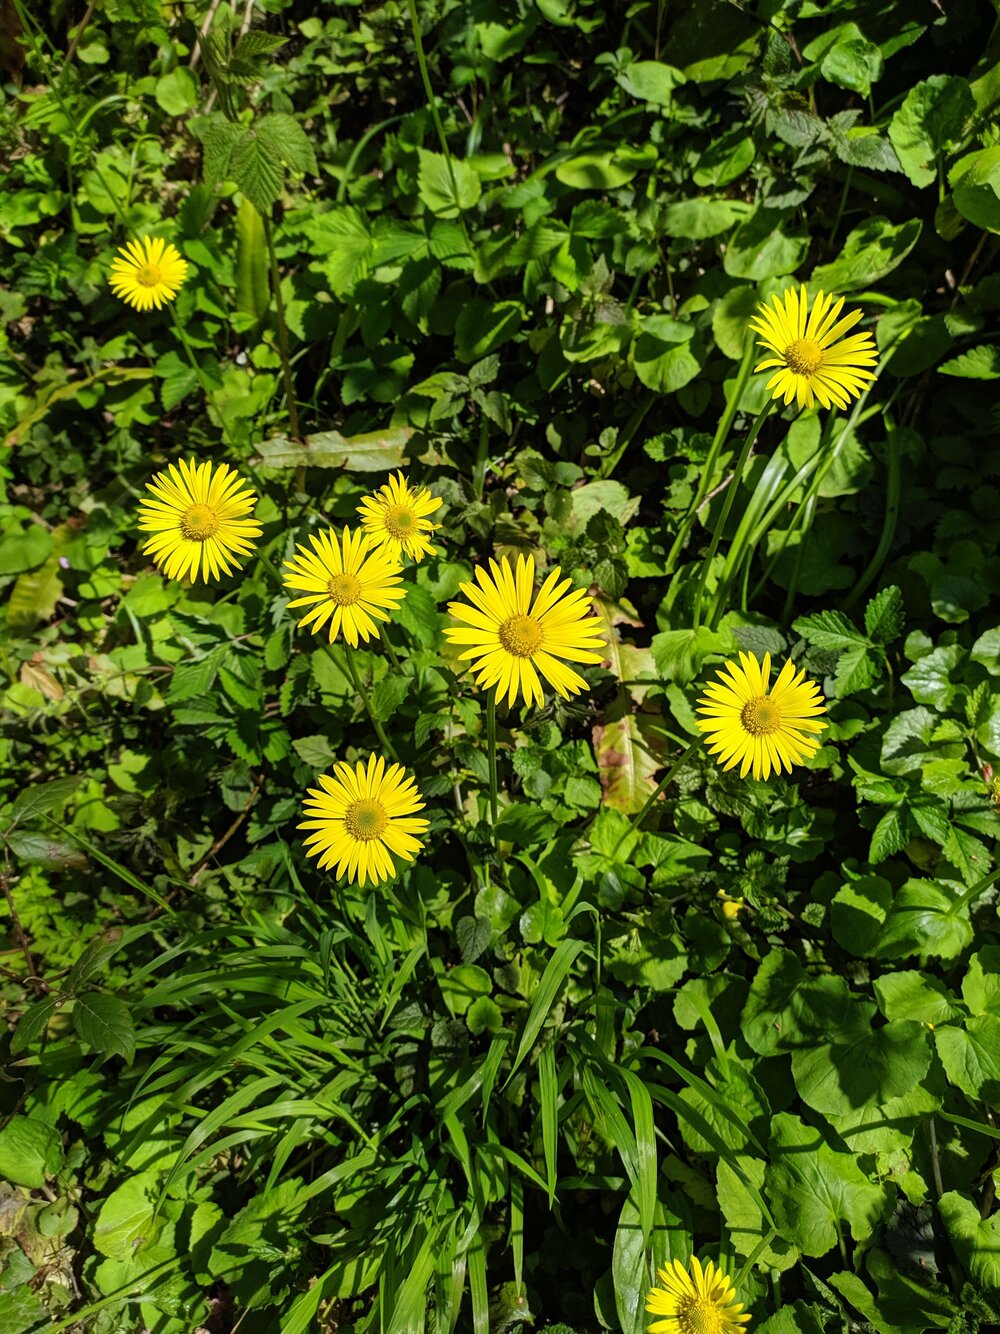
756,1021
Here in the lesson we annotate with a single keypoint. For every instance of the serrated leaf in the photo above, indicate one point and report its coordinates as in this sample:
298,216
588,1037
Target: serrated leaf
885,616
257,43
447,186
218,139
829,630
257,170
33,1023
891,834
287,141
105,1024
978,363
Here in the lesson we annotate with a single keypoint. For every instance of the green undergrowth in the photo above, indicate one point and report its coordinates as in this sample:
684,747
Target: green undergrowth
762,1025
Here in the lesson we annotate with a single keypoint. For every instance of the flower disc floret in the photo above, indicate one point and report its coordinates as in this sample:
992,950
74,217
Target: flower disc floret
759,727
815,357
198,519
348,587
698,1300
395,516
363,819
512,639
147,274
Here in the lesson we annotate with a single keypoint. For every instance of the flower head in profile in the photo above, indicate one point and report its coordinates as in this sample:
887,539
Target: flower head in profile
363,817
199,520
147,273
395,516
346,584
698,1300
758,726
512,638
814,355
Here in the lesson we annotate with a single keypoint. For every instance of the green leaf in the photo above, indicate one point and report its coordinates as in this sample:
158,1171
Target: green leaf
389,694
981,984
699,219
859,1068
884,615
910,994
127,1221
524,825
105,1024
378,451
605,170
869,253
627,765
630,1269
761,248
257,170
829,630
34,596
744,1217
447,186
986,651
33,1022
786,1008
219,137
976,1239
483,326
931,120
679,654
978,363
725,159
971,1056
253,288
30,1152
651,81
177,92
287,142
667,354
814,1190
858,913
925,921
94,959
929,679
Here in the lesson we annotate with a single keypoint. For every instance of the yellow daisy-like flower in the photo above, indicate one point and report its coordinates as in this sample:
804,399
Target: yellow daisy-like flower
395,516
345,583
512,636
813,358
147,273
758,727
199,520
699,1300
363,817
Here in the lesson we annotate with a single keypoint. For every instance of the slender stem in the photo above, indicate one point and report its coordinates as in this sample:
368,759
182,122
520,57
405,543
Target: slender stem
708,471
268,565
78,35
491,751
727,505
892,491
393,656
359,686
279,305
972,894
661,787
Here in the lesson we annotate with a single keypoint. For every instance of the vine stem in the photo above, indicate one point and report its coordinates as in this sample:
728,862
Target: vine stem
359,686
491,752
727,505
279,305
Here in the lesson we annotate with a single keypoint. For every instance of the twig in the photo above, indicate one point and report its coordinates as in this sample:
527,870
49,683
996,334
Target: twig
209,16
77,36
221,842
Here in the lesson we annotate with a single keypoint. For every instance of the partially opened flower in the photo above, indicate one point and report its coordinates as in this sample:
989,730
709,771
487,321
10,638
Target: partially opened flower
148,273
395,516
199,518
363,817
346,584
815,357
512,638
697,1300
757,726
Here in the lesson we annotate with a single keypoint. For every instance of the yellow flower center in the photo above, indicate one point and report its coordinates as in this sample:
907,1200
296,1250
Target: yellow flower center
344,589
148,275
400,522
761,716
520,635
696,1316
804,357
199,523
365,819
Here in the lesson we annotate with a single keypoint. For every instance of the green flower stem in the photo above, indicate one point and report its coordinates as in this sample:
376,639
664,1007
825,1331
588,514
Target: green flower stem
491,752
894,473
970,895
662,785
393,656
727,505
708,471
359,686
279,305
268,565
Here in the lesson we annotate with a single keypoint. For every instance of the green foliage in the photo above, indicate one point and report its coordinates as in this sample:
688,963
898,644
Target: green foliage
760,1023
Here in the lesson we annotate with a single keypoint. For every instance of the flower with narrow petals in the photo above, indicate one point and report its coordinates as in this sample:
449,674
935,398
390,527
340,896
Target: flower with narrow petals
813,356
363,817
395,516
147,273
698,1300
199,519
756,726
514,638
346,584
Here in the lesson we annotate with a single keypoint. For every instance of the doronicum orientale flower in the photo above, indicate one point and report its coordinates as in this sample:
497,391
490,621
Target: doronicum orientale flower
698,1300
395,516
363,817
513,638
757,727
147,273
812,357
199,520
346,584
